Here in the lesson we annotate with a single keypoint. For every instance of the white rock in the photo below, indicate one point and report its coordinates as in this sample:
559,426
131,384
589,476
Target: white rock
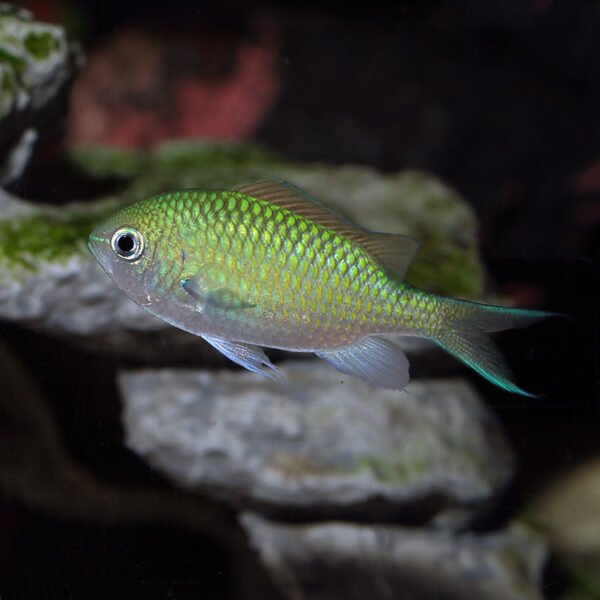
383,562
322,441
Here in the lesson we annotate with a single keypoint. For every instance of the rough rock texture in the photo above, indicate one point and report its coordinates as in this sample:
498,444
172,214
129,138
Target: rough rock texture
341,560
37,66
322,442
48,278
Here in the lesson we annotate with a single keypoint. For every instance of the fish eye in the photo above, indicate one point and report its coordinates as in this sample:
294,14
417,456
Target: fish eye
127,243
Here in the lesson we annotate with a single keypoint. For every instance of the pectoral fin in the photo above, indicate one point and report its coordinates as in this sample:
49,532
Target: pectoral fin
372,359
209,290
247,355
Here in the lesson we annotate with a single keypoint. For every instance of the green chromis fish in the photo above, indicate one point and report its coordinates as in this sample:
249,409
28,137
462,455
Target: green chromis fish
263,264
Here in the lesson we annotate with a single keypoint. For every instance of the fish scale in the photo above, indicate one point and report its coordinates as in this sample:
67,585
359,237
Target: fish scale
263,264
285,289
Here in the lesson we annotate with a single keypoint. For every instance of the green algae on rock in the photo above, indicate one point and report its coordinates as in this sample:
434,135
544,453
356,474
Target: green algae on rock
29,50
37,65
46,237
41,44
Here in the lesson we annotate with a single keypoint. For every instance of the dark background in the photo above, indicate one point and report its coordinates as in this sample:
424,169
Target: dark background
499,99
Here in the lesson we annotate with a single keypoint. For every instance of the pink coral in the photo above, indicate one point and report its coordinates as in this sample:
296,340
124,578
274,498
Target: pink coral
142,88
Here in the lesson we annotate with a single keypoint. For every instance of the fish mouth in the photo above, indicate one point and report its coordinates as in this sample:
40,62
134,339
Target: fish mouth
95,244
96,252
92,249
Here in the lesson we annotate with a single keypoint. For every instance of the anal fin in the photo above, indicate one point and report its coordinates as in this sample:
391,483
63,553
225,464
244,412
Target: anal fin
373,359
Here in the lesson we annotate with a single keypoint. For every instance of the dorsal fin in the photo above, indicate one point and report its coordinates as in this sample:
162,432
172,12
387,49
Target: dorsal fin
393,252
288,196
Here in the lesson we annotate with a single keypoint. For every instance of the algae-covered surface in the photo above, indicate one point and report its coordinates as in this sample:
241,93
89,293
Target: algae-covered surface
412,203
28,49
47,236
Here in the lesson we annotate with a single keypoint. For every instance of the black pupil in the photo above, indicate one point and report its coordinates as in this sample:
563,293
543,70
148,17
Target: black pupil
125,243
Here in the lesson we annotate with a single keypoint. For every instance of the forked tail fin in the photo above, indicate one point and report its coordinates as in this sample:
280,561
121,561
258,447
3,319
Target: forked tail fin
464,334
